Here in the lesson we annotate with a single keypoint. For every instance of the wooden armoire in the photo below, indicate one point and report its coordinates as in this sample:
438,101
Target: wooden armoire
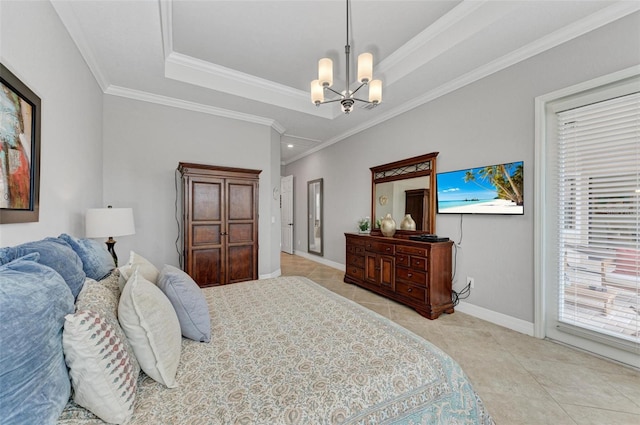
219,223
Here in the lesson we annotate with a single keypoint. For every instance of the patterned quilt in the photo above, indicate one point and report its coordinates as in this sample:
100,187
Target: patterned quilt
288,351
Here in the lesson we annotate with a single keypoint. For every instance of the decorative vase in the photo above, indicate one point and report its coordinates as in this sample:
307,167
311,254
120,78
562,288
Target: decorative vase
388,226
408,223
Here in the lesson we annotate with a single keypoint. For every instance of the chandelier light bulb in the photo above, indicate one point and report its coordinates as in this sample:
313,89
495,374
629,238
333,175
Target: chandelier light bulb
325,72
317,92
365,67
375,91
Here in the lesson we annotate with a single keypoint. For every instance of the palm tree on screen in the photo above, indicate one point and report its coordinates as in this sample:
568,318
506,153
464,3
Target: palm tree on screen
506,178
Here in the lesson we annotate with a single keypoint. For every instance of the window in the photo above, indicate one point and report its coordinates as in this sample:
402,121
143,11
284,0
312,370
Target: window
588,211
598,184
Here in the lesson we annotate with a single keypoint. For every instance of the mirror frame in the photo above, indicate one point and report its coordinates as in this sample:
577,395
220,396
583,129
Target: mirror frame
417,166
319,207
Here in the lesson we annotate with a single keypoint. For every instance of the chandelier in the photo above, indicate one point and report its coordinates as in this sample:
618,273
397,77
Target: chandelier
347,97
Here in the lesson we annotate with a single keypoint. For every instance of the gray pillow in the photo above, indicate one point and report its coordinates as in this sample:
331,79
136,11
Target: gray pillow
188,302
33,302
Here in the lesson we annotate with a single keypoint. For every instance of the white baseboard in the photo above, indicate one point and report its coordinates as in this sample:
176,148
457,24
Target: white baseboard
500,319
320,260
270,275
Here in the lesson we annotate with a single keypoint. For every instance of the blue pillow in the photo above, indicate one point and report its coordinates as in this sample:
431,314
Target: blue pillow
188,302
54,253
33,302
97,263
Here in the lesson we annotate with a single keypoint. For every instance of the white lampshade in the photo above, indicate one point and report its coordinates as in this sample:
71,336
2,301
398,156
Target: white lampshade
317,92
365,67
106,222
375,91
325,72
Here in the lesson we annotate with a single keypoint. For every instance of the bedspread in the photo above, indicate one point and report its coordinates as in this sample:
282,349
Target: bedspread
288,351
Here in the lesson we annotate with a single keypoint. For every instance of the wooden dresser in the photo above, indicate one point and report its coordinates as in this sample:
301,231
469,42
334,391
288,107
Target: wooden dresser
417,274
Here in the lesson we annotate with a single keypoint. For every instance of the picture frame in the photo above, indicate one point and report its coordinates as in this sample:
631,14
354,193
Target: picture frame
20,113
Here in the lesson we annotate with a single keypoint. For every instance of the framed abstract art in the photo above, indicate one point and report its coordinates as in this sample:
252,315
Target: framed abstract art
19,150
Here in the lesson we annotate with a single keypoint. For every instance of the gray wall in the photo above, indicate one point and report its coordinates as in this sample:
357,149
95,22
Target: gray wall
143,143
36,47
488,122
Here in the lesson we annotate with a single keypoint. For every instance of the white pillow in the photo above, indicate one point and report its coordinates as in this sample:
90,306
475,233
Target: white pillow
102,373
146,268
152,328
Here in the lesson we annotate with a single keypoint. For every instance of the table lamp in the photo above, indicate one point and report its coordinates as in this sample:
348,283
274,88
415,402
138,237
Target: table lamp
109,222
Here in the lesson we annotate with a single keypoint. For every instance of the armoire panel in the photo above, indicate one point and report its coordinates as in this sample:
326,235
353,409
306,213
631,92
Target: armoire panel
206,200
206,234
241,198
243,263
207,266
240,232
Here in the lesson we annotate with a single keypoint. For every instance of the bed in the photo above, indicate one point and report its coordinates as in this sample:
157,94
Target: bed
288,351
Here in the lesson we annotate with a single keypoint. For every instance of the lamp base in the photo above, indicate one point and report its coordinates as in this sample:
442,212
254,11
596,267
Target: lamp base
110,243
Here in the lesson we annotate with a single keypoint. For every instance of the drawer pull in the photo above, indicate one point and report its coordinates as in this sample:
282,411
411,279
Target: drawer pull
409,274
409,289
388,249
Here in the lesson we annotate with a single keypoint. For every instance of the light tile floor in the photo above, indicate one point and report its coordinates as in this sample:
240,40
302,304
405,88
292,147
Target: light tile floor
521,379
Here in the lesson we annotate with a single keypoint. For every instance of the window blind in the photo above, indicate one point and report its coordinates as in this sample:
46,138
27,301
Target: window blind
598,188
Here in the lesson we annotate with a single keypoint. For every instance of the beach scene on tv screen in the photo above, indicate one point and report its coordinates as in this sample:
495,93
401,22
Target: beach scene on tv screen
495,189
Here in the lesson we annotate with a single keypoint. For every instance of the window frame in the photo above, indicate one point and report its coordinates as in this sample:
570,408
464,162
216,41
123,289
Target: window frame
546,253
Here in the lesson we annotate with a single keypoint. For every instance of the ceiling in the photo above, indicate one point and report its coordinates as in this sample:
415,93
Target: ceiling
254,60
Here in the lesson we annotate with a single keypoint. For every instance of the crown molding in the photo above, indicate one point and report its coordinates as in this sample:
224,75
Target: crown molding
70,21
216,77
191,106
459,24
166,24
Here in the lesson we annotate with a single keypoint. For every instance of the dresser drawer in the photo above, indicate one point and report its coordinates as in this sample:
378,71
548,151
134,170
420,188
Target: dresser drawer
412,250
384,248
355,249
353,240
402,260
355,272
411,291
411,275
355,260
419,263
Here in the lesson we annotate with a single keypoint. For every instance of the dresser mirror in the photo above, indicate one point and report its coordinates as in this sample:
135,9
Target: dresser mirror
314,217
405,187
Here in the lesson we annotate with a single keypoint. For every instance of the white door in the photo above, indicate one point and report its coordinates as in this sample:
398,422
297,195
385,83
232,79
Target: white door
286,213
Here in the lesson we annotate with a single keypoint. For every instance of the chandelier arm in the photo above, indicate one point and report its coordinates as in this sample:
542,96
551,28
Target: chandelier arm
361,100
329,101
359,87
336,92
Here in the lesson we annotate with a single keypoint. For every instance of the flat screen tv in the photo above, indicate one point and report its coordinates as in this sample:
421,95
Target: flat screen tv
492,189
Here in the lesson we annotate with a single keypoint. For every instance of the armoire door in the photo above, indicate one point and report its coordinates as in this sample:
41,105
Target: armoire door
206,256
241,230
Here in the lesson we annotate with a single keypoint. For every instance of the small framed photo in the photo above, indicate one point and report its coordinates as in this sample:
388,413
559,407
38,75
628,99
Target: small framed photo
19,150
